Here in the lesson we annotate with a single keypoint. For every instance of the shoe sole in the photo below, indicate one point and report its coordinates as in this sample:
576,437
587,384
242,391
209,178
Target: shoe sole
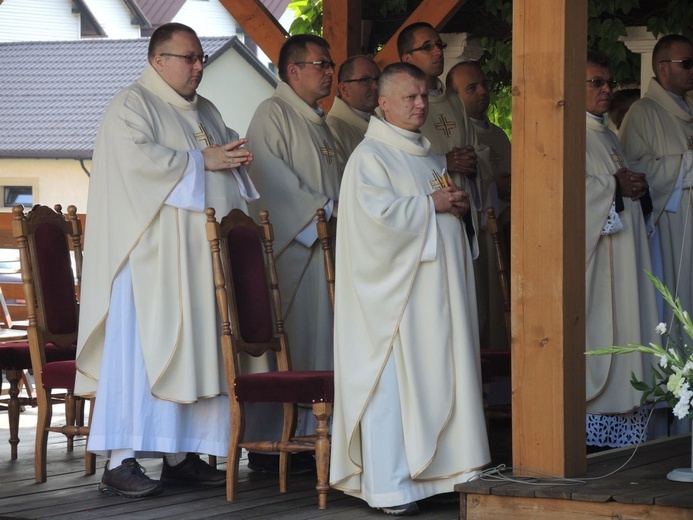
111,491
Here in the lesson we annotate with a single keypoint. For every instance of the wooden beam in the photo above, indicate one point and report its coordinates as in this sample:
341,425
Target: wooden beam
435,12
548,208
341,23
259,24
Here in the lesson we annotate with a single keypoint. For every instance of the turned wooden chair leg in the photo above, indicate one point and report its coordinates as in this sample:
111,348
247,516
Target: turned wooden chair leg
322,412
70,414
14,377
234,455
45,414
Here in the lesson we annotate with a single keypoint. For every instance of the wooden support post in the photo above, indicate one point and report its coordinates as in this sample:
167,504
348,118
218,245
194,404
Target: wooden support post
341,23
259,24
548,208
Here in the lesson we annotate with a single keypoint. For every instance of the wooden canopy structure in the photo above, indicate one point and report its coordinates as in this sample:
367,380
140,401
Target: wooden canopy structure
548,199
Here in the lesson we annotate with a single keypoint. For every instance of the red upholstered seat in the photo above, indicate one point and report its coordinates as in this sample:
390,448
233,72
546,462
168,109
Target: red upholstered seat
286,387
60,374
249,304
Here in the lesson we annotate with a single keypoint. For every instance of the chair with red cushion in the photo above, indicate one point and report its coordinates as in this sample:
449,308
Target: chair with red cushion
44,237
249,305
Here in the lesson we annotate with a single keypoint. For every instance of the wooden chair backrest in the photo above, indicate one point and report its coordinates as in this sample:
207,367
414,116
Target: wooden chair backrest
325,236
43,237
496,235
247,288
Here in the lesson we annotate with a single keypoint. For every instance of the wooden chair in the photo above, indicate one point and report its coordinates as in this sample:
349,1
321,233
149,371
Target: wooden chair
246,284
44,237
325,236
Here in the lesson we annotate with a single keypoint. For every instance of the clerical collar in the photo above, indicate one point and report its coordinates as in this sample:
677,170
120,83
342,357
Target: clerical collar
680,101
598,119
414,137
361,113
318,110
438,91
483,123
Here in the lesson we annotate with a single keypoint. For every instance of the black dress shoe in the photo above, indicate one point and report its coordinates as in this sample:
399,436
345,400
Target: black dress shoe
128,480
301,463
409,509
193,471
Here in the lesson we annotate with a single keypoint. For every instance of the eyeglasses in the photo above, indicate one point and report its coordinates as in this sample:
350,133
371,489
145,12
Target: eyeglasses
428,47
190,59
323,64
364,81
686,63
600,82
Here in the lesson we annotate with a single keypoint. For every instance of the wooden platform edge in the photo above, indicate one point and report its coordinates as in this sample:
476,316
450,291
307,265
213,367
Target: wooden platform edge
487,507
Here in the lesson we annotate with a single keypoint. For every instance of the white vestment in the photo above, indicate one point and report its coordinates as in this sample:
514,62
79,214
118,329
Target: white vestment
348,129
619,298
295,169
148,342
499,154
656,134
405,326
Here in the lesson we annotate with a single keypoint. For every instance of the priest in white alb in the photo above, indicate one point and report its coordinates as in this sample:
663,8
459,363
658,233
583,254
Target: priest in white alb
408,414
657,138
148,338
619,297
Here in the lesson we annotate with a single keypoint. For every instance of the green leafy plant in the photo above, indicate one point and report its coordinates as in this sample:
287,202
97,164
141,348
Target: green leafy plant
672,379
308,17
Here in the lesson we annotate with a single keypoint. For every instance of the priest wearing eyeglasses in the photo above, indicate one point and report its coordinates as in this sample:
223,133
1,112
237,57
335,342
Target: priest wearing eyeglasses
657,137
357,98
620,303
148,347
297,172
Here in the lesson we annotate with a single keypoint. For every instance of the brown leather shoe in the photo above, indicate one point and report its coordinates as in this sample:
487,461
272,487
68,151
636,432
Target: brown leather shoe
193,471
128,480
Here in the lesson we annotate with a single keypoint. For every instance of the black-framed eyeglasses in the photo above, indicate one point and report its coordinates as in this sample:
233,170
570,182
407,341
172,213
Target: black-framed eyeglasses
190,59
686,63
322,64
428,47
600,82
367,80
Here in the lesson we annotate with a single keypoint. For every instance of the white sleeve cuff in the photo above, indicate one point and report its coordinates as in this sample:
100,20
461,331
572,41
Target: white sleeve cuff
189,194
309,234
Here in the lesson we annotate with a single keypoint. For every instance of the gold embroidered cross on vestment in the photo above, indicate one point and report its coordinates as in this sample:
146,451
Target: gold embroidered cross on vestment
617,157
202,135
445,125
327,151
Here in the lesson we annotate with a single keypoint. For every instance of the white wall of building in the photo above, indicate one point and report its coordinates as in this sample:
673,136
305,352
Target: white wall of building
53,181
207,17
115,19
38,20
227,84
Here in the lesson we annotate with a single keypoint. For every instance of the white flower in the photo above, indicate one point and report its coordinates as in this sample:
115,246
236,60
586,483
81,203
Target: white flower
661,329
681,409
676,383
663,361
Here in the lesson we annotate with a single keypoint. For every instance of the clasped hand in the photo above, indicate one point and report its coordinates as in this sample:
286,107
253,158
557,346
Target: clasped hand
225,156
451,200
461,160
633,184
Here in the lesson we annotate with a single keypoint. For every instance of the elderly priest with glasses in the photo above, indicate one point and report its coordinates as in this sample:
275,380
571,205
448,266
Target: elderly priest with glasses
408,413
148,346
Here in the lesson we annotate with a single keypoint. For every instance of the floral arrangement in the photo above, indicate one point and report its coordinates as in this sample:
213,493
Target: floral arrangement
673,377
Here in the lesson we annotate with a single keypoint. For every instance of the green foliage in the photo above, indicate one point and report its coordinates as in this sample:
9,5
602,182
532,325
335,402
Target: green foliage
500,111
308,17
